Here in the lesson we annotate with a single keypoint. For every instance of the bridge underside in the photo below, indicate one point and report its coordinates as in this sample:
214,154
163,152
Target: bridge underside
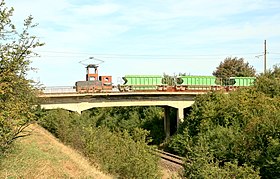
179,105
79,103
79,107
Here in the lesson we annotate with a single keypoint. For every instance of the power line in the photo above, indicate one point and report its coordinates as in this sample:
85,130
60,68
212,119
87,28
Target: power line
143,58
147,55
186,57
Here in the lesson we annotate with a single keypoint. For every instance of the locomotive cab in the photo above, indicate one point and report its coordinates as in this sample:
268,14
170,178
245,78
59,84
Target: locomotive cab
91,76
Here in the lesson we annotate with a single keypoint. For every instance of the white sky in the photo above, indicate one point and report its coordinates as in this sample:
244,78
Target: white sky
148,37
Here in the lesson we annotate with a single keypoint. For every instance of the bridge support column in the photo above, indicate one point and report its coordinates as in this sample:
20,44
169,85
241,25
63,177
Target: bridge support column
180,116
167,121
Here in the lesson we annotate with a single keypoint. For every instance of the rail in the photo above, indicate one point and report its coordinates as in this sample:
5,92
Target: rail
170,157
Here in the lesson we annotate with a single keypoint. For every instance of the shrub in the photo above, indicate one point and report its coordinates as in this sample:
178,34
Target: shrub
118,153
122,153
242,126
201,163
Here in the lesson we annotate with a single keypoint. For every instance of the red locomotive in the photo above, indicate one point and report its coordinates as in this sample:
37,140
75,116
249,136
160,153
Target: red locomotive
94,83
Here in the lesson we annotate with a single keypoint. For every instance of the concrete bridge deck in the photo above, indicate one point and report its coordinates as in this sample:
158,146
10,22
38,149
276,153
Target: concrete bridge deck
121,94
80,102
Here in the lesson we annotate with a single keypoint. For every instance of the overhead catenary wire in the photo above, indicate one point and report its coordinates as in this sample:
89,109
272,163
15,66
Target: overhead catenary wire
61,55
64,54
147,58
141,55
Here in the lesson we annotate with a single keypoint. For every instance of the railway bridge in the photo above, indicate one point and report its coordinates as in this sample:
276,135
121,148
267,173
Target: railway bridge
80,102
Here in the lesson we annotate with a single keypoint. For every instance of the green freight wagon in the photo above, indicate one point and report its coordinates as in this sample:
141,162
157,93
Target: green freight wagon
213,81
197,83
141,82
199,80
243,81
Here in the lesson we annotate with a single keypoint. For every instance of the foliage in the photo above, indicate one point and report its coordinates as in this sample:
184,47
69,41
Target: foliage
60,123
17,95
129,118
202,164
233,67
269,82
168,80
242,127
153,122
121,152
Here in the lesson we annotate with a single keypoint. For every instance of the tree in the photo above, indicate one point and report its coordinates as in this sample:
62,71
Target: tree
168,80
269,82
17,95
234,67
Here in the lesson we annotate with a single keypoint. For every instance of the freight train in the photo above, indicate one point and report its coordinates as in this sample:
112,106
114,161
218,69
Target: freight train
141,83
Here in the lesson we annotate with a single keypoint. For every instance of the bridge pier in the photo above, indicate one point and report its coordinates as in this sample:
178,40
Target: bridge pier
167,121
168,116
180,116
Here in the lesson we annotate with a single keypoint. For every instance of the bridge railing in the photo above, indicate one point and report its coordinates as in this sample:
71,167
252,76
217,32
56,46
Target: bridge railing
59,89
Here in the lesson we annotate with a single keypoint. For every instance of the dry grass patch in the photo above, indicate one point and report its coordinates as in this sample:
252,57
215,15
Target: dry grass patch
41,155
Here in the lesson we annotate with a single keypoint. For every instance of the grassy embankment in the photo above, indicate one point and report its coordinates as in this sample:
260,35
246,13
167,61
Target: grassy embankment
41,155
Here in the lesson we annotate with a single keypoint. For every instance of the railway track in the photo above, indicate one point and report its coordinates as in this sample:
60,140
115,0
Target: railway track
170,162
170,157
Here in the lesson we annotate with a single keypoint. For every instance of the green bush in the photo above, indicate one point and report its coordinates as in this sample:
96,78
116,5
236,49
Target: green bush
202,163
242,126
119,154
210,170
122,153
269,83
129,118
67,126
